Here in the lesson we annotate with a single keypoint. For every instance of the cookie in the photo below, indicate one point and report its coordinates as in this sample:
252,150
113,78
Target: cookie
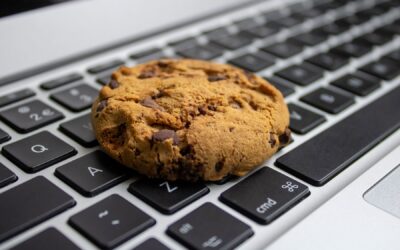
189,119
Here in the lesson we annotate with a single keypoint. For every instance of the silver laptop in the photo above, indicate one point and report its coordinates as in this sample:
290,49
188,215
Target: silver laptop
335,186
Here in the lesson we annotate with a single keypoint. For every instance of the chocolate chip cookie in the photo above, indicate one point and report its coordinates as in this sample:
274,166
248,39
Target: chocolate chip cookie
189,119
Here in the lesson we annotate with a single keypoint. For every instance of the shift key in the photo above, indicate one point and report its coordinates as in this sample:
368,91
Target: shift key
272,194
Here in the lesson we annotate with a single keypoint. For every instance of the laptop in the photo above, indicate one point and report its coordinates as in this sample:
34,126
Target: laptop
335,186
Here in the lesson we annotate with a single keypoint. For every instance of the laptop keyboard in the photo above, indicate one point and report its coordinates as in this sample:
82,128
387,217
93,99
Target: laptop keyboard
304,49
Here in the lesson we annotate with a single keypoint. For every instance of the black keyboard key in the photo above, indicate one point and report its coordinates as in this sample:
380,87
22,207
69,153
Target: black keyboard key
385,68
344,142
105,66
352,49
395,55
328,100
301,74
218,32
302,120
329,60
310,13
111,222
15,97
391,29
30,116
149,54
233,42
335,28
374,38
202,52
6,176
262,31
167,197
76,98
272,15
80,129
245,23
29,204
252,62
358,84
355,19
50,238
151,244
222,230
284,49
4,136
104,80
272,194
185,43
311,38
287,22
92,174
61,81
38,151
282,85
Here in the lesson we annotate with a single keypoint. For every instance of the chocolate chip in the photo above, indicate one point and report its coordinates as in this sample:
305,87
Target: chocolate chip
272,140
231,129
212,107
113,84
285,137
101,105
162,64
202,110
165,134
137,152
147,74
216,77
187,151
150,103
219,165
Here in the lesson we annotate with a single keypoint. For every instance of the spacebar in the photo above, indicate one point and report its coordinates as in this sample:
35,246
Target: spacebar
322,157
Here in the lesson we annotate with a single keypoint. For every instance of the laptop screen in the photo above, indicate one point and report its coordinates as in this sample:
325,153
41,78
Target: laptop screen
11,7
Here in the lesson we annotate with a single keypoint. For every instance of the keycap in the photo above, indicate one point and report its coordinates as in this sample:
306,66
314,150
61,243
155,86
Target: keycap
165,196
282,85
329,60
352,49
61,81
395,55
335,28
202,52
392,28
272,194
215,33
92,174
302,120
30,116
77,98
80,129
38,151
252,62
245,23
287,22
328,100
209,227
262,31
111,222
358,84
50,238
105,66
233,42
29,204
148,54
15,96
385,68
272,15
4,136
311,38
283,50
374,38
6,176
185,43
151,244
344,142
303,74
104,80
309,13
355,19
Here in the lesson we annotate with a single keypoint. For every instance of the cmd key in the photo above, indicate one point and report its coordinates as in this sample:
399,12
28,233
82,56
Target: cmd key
322,157
29,204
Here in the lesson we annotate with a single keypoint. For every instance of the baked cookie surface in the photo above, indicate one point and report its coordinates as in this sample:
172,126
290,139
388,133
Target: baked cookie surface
189,120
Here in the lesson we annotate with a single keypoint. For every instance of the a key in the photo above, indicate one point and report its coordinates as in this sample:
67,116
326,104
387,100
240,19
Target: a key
92,174
352,49
4,136
284,49
344,142
202,52
111,222
30,116
303,120
385,68
328,100
252,62
105,66
218,32
374,38
310,13
61,81
287,22
358,84
246,23
334,28
303,74
209,227
272,15
395,55
6,176
76,98
151,244
149,54
233,42
104,80
282,85
262,31
38,151
329,60
50,238
15,97
29,204
311,38
272,194
167,197
185,43
80,129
